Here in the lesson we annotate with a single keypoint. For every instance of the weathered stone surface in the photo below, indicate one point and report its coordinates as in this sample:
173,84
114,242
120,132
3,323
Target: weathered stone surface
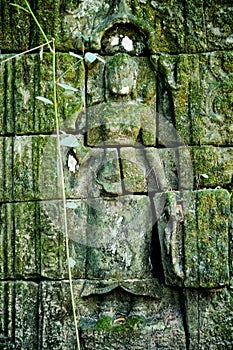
120,123
57,325
96,82
28,76
231,243
119,234
193,230
171,26
29,168
134,169
33,242
52,239
20,238
197,94
151,169
213,166
96,174
218,25
15,25
195,34
19,315
120,319
186,168
209,319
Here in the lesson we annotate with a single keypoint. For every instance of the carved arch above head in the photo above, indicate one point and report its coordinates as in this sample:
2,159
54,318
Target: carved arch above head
134,29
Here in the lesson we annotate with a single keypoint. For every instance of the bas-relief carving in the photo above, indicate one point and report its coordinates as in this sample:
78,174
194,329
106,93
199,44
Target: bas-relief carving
112,174
118,173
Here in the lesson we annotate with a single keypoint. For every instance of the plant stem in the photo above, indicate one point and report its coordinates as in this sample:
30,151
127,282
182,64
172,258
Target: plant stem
38,24
63,194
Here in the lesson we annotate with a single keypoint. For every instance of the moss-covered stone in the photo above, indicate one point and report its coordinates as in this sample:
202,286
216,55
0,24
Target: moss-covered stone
16,27
213,166
160,83
26,77
197,95
134,169
118,319
97,173
116,251
18,303
218,29
193,230
119,123
209,319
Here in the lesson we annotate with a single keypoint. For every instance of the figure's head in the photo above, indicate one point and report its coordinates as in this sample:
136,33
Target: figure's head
121,74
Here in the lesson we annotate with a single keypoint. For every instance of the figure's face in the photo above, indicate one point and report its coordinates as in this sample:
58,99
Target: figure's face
121,75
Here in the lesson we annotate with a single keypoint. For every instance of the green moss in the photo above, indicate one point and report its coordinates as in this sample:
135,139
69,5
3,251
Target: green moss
104,323
130,324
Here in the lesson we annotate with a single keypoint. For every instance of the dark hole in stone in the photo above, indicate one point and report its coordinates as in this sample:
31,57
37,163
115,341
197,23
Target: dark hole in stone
124,38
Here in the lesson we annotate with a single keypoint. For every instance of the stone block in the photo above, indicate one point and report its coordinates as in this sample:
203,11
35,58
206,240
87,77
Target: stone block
213,240
56,318
157,174
25,238
213,166
29,168
193,231
6,166
119,234
197,103
96,82
209,319
26,77
218,18
32,236
185,168
16,27
52,239
119,124
156,169
175,91
17,177
168,22
19,327
19,233
214,122
47,177
134,169
170,161
97,173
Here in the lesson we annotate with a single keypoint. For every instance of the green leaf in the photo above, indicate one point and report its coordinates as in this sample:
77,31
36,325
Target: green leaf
20,7
205,176
91,57
75,55
71,205
67,87
45,100
69,141
71,262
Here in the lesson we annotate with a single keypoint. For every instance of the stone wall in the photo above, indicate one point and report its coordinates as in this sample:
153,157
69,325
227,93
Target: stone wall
148,180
